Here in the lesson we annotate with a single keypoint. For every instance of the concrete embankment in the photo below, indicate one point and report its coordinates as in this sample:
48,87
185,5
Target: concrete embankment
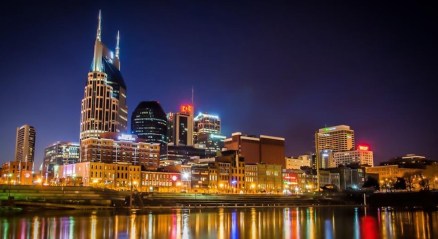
95,198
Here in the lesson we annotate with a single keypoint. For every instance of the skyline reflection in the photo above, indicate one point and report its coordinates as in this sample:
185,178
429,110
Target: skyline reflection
294,222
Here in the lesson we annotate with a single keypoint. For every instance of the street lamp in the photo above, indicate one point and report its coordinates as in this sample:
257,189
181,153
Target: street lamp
186,176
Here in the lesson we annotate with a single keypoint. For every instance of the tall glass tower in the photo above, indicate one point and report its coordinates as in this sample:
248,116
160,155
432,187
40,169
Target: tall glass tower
104,106
149,123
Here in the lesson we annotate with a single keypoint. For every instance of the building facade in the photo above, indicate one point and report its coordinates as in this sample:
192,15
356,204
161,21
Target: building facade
361,156
263,149
116,148
59,153
297,163
149,123
121,176
104,107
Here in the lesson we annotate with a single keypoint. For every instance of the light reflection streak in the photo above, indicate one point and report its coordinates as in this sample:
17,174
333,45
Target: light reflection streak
185,225
93,226
71,227
234,229
133,229
36,227
221,224
356,228
328,229
253,223
310,223
150,223
286,223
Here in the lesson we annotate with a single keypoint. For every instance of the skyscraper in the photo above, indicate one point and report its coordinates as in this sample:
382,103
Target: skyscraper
149,123
182,126
104,106
25,144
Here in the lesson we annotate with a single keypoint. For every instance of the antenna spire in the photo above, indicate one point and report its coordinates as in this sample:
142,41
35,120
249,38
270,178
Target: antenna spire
117,44
98,35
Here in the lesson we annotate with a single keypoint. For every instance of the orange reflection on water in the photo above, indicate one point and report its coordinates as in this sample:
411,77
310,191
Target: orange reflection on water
312,222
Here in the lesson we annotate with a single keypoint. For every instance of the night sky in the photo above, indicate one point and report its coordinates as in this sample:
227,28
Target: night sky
275,69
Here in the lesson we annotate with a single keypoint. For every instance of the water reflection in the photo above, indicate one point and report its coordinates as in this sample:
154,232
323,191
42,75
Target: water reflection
318,222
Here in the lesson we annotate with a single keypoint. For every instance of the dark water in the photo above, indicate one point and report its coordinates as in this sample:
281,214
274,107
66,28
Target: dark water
311,222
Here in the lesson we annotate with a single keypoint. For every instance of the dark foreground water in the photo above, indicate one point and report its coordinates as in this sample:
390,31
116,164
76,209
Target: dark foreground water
311,222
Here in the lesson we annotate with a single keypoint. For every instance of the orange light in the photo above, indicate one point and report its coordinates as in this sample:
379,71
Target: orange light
363,147
186,109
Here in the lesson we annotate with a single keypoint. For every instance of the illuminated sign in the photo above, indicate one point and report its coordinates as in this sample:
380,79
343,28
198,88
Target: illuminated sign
126,137
329,129
188,109
363,147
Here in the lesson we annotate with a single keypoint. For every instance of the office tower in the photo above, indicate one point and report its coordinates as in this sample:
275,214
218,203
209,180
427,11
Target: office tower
59,153
263,149
25,144
330,140
207,133
207,123
104,106
149,123
181,126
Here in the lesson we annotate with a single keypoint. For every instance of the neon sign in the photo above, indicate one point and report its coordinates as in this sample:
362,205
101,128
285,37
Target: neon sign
188,109
363,147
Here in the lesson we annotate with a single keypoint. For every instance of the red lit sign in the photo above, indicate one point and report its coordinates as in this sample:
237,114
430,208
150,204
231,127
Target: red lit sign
363,147
188,109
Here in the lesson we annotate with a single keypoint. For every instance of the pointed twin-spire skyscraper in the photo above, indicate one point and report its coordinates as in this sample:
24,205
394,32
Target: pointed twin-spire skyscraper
104,106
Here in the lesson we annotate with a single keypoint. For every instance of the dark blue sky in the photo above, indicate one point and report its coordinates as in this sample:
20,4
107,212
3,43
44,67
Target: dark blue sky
275,69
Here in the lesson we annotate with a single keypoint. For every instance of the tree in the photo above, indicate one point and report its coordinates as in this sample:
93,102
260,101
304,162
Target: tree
371,182
400,184
424,183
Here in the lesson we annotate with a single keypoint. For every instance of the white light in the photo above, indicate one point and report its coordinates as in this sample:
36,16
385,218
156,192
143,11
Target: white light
126,137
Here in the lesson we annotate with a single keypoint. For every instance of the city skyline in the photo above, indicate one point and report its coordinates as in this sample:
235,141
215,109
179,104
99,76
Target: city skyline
229,70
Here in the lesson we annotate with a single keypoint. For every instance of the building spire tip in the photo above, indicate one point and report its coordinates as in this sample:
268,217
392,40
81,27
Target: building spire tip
99,24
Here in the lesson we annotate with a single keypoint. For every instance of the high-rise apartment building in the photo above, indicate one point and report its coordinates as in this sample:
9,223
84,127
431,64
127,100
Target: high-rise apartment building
104,106
25,144
149,123
330,140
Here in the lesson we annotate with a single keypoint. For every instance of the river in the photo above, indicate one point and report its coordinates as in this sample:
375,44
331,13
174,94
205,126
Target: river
293,222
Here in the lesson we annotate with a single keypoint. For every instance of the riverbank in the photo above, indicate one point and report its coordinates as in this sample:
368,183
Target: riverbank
87,198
